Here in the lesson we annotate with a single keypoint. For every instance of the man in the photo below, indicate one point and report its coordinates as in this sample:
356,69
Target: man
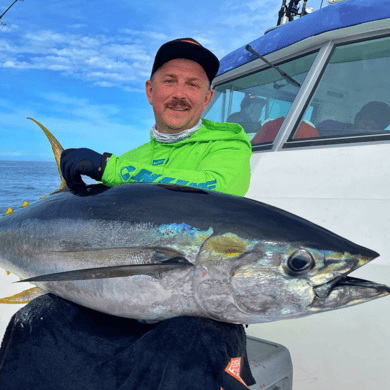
55,344
372,117
249,115
183,149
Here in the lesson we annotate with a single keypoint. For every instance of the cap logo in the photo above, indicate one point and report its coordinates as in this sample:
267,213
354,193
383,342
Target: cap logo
195,43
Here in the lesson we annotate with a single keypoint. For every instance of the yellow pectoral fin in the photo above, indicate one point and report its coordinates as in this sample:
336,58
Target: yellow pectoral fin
24,297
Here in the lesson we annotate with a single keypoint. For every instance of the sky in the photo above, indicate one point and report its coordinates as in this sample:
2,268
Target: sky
79,67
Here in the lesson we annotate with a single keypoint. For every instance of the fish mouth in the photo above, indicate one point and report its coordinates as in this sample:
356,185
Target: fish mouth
346,291
342,290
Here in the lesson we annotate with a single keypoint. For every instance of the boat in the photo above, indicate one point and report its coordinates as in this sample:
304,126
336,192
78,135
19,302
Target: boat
313,96
310,158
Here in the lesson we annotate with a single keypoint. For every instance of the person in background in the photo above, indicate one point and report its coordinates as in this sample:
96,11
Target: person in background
55,344
249,115
373,116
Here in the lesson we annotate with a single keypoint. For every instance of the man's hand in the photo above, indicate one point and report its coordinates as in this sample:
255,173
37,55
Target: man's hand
83,161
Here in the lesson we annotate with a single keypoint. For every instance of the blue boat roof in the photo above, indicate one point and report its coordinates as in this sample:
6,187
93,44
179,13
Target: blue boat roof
330,18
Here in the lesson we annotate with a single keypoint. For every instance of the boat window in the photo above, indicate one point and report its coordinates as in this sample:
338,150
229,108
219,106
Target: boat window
352,99
259,101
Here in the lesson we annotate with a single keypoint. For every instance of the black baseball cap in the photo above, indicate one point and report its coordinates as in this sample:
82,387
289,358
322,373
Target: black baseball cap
189,49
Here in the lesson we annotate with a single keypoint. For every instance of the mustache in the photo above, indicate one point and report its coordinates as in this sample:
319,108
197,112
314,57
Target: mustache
178,103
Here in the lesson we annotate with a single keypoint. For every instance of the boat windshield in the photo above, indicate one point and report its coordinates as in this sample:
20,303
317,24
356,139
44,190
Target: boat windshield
352,99
259,98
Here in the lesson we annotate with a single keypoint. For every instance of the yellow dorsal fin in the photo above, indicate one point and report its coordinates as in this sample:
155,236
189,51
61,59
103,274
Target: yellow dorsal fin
42,197
25,204
8,272
57,150
9,211
24,297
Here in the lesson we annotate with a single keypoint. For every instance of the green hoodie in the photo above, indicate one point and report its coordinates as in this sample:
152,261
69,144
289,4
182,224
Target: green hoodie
216,157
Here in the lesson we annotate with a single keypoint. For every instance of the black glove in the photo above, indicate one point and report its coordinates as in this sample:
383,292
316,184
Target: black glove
83,161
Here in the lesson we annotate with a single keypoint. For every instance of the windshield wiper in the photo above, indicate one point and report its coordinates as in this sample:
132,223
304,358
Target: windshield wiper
283,74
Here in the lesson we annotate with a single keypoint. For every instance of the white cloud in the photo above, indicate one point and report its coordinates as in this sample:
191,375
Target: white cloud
150,34
251,14
109,61
124,59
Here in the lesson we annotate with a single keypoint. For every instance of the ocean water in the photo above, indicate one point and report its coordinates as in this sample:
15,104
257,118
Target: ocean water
26,181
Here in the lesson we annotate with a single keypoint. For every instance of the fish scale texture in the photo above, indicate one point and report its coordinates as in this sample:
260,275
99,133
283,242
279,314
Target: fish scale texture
54,344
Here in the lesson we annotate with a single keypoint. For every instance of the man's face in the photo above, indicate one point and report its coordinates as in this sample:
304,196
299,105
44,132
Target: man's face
254,110
179,93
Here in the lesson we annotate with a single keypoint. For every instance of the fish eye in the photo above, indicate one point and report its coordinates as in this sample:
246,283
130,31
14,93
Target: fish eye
300,261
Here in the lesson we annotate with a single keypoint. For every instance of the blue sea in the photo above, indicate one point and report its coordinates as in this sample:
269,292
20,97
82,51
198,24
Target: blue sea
26,181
